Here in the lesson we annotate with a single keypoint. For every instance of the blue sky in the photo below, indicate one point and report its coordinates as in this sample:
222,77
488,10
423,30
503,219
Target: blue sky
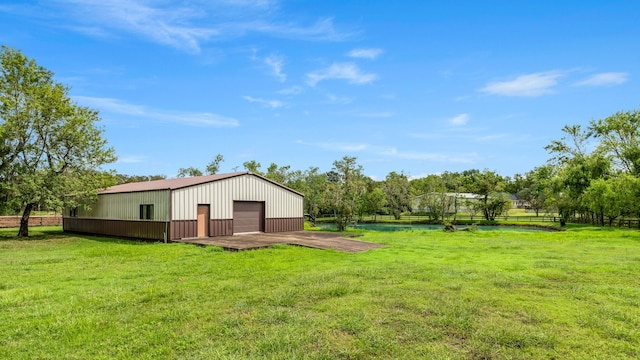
416,86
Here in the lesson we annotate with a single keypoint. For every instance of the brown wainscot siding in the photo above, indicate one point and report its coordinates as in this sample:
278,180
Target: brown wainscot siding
221,227
283,224
148,230
182,229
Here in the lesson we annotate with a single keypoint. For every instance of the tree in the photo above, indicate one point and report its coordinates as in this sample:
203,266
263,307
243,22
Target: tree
613,197
490,186
432,196
534,190
124,179
314,190
189,172
374,201
515,184
468,180
344,194
51,149
396,188
577,168
577,175
573,144
496,204
279,174
252,166
619,136
437,204
214,166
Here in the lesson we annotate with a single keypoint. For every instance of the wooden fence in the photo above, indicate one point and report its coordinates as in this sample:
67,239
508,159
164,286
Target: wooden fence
424,218
631,224
47,220
623,223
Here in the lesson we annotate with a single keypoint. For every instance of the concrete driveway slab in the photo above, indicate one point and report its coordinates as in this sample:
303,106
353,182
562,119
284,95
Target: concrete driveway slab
312,239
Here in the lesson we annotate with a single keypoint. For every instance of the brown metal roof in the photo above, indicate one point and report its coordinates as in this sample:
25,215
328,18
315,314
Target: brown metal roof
168,184
179,183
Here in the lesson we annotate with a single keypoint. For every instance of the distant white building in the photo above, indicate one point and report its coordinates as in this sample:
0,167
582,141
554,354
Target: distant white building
459,202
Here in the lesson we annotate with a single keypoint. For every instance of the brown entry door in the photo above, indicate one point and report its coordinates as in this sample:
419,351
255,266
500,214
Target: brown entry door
203,220
248,216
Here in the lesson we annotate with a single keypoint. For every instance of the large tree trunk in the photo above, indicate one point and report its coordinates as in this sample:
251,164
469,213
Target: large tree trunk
24,221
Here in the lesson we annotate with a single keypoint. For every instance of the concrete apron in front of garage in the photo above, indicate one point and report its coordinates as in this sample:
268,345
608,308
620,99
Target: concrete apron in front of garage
312,239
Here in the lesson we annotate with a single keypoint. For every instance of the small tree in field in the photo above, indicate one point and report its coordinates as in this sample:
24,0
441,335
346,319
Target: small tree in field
51,149
374,201
396,188
345,192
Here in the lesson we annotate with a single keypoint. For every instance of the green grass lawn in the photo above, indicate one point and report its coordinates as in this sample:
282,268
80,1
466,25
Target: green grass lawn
428,294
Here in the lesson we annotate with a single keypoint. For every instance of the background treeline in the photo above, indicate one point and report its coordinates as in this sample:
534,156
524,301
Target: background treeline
592,176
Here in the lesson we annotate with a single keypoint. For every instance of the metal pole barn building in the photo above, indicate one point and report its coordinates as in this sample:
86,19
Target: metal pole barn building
202,206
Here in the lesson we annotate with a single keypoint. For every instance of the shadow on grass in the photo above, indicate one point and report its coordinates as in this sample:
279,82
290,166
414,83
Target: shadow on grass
35,233
55,232
114,240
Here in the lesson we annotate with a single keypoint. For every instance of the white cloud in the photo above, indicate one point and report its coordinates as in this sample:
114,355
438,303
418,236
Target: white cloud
435,157
173,26
336,146
131,159
276,63
342,71
365,53
111,105
120,107
200,119
292,90
250,3
274,104
535,84
343,100
459,135
488,138
185,25
459,120
384,114
605,79
322,30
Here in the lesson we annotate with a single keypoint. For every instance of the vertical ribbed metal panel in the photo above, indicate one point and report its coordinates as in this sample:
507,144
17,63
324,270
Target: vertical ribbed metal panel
279,202
126,206
284,224
152,230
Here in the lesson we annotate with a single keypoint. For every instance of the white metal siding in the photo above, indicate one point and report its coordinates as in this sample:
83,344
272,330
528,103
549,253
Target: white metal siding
279,202
126,206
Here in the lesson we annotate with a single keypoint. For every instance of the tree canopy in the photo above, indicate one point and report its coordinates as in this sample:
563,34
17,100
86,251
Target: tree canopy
396,187
51,149
346,190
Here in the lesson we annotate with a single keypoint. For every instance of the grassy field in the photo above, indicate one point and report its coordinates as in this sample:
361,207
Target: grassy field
428,294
